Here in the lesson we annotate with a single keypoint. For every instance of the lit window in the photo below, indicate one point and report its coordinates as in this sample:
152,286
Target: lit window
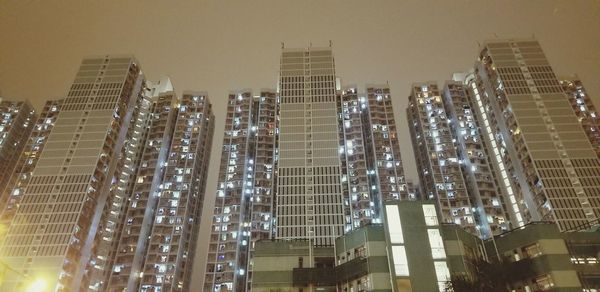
400,261
430,215
532,251
437,244
442,273
544,282
394,225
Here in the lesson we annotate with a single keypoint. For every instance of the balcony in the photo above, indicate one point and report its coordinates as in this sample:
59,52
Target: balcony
330,276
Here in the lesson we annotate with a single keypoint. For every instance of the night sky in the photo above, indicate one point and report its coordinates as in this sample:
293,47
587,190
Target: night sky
218,46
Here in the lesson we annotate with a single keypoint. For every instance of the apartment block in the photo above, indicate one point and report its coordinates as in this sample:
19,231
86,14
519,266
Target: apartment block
582,105
384,149
243,211
308,162
438,163
482,182
358,194
16,123
140,210
109,190
370,152
309,191
52,228
174,234
162,216
112,226
541,150
534,257
503,146
28,159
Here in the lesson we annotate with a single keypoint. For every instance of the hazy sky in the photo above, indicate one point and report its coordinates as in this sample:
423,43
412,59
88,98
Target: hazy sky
218,46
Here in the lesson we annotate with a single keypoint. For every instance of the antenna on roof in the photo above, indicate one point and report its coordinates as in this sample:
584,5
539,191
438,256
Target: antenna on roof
310,45
282,45
330,43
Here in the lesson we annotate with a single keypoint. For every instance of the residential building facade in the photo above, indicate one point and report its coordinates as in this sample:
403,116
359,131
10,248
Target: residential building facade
372,165
582,105
162,217
438,163
109,191
51,230
480,179
533,257
309,162
503,146
309,189
16,123
405,253
243,211
542,153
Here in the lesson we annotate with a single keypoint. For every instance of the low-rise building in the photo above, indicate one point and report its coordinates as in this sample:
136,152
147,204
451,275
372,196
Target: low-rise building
360,260
412,252
534,257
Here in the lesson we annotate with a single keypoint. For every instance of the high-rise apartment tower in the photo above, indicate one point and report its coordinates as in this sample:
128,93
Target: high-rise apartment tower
51,232
310,201
452,161
243,211
157,242
16,123
542,154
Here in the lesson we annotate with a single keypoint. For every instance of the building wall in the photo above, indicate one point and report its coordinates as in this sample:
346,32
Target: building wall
584,250
418,258
361,264
274,264
462,248
367,243
536,256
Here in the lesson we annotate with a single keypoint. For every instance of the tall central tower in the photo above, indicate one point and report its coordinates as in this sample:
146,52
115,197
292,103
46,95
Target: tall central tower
310,164
309,193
